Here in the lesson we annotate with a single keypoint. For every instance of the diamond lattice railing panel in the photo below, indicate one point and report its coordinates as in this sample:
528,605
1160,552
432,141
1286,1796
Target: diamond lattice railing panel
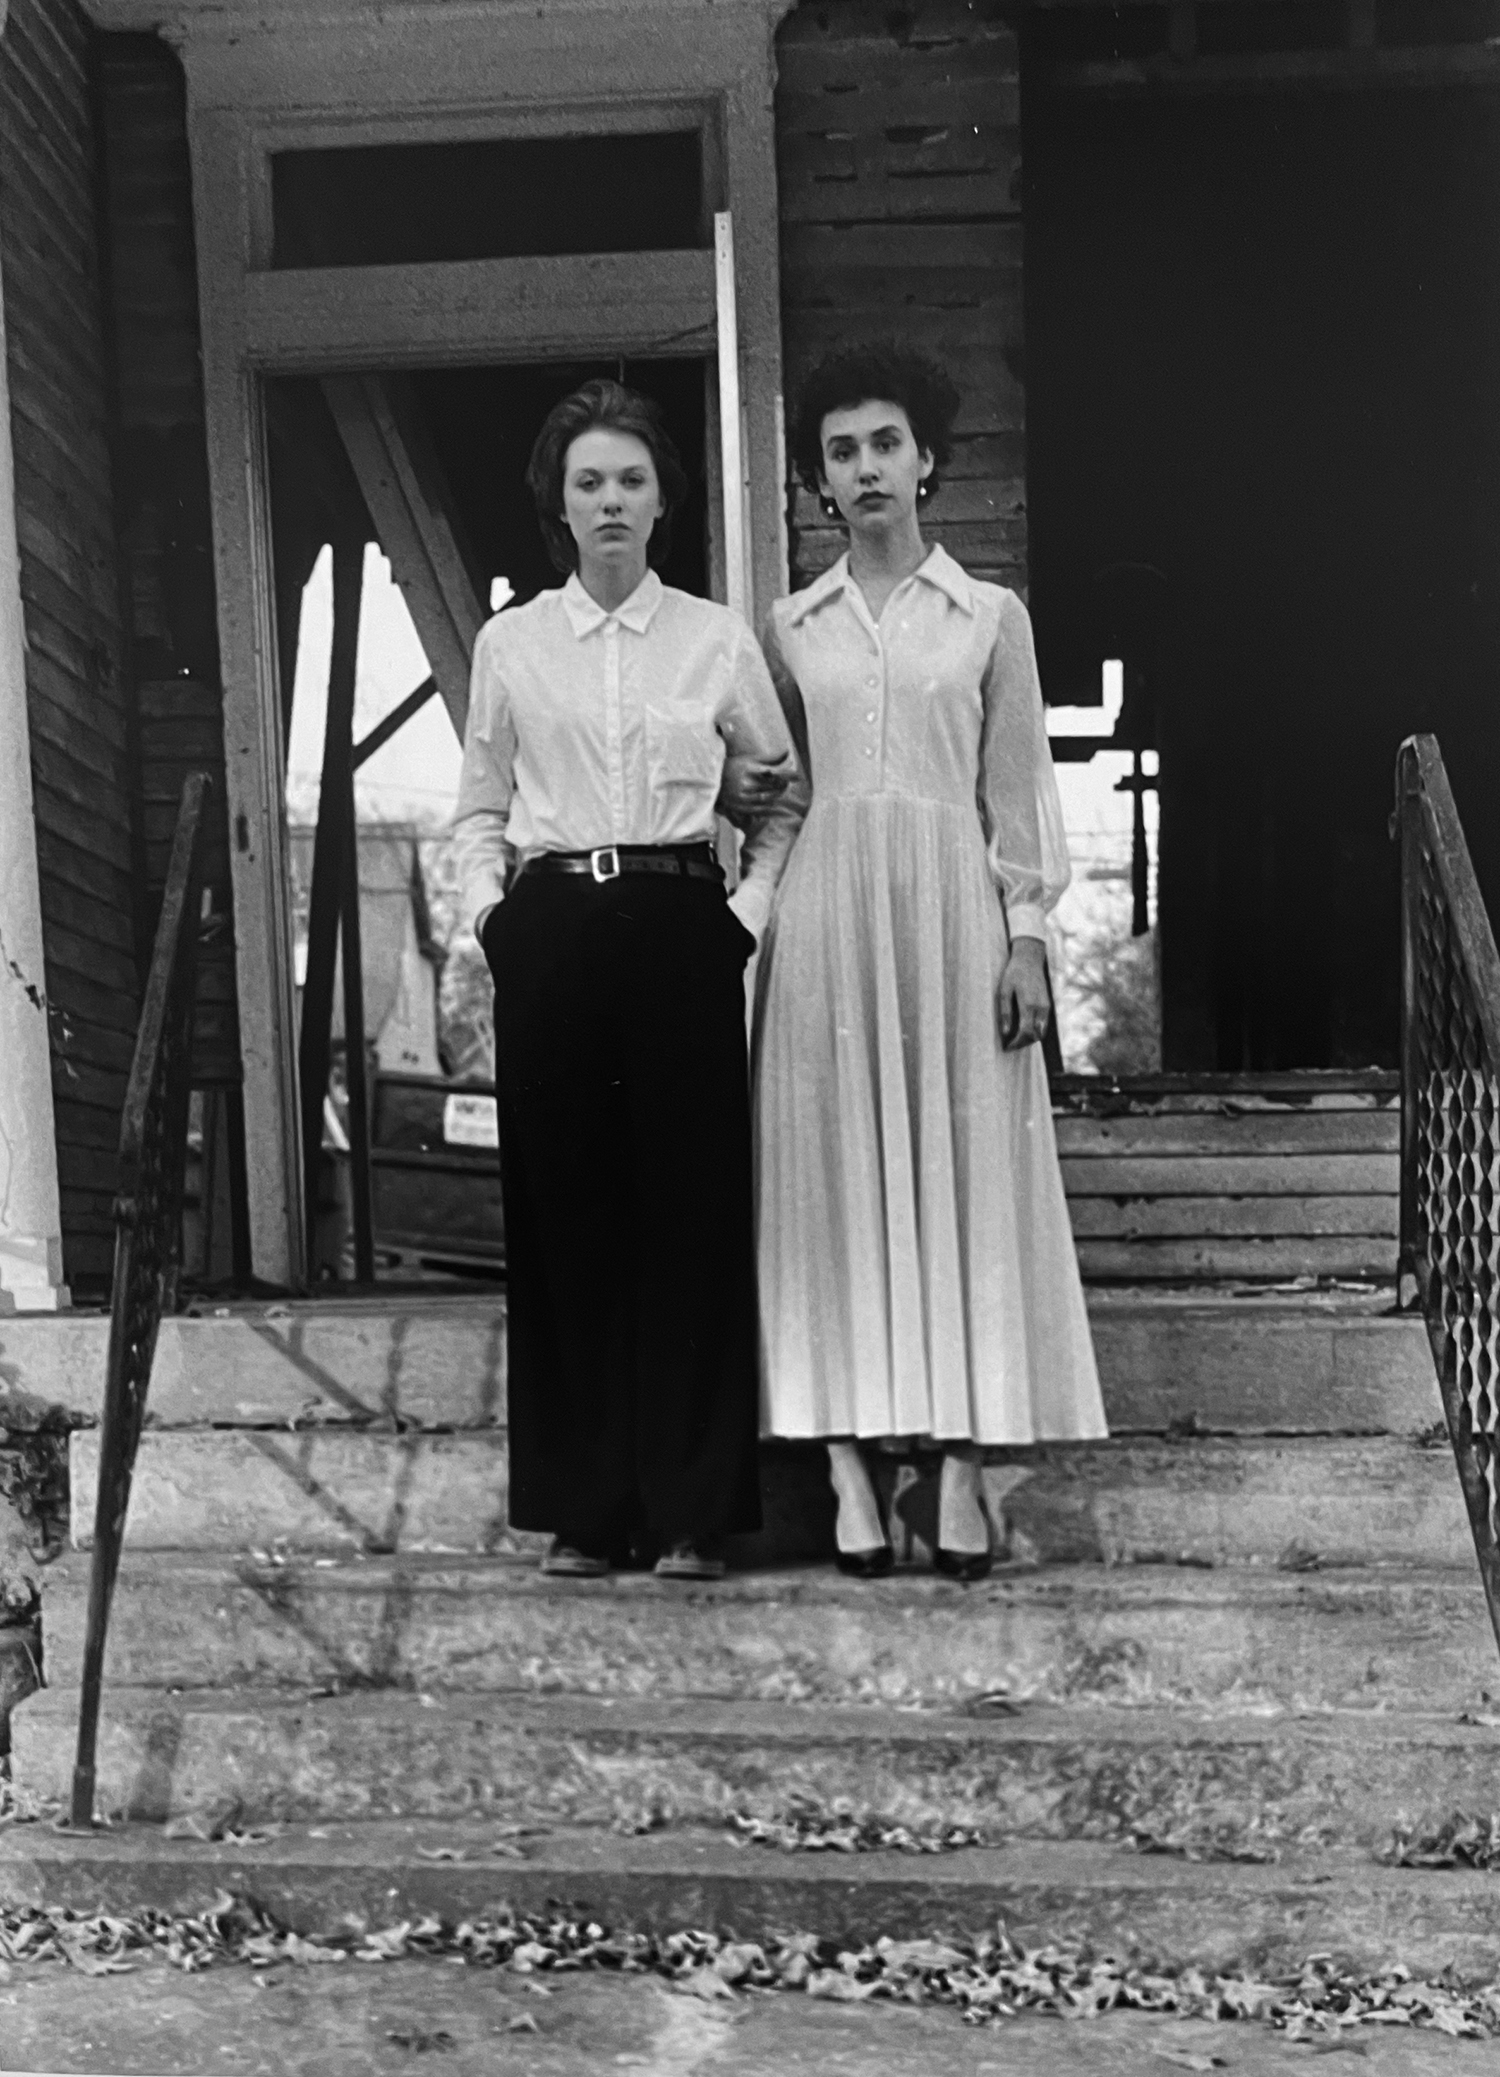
1456,1172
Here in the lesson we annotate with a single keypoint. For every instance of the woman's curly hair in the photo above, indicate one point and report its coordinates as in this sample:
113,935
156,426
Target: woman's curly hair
868,374
618,410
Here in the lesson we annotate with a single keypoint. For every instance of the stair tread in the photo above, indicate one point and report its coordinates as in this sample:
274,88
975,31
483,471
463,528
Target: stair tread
517,1574
755,1723
1154,1908
397,1845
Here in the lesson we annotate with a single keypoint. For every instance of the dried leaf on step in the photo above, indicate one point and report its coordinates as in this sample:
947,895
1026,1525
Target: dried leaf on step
993,1702
93,1964
842,1989
703,1983
1190,2059
442,1853
187,1827
419,2040
522,2023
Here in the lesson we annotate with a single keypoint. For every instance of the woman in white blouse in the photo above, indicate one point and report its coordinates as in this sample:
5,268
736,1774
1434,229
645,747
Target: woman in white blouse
917,1271
600,718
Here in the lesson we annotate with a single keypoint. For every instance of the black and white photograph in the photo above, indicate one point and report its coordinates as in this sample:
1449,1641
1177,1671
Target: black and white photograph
749,1037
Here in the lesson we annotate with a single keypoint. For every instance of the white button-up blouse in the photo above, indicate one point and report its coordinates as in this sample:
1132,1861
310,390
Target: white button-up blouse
589,728
940,701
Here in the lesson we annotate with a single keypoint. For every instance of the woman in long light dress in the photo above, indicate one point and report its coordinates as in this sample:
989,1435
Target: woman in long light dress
918,1277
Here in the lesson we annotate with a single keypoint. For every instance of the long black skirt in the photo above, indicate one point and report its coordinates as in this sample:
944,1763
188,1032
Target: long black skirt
620,1070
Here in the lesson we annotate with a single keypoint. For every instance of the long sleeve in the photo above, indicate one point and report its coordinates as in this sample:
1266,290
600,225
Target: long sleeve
1018,798
486,784
752,722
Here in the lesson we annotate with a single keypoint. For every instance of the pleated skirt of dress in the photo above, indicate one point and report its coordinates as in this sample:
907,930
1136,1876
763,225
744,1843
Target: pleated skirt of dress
917,1269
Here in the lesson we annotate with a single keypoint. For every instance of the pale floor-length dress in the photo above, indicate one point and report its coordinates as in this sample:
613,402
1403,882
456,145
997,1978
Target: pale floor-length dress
917,1269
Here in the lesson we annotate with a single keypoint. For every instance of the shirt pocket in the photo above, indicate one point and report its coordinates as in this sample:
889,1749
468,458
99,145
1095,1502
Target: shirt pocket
684,752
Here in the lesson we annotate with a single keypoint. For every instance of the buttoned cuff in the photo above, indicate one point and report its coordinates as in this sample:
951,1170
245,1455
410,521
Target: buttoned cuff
751,904
1026,920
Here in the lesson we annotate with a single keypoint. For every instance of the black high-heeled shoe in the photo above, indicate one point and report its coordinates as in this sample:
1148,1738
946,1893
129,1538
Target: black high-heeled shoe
871,1564
966,1566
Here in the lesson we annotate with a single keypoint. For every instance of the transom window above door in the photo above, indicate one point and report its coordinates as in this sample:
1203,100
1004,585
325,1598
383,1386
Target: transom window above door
494,198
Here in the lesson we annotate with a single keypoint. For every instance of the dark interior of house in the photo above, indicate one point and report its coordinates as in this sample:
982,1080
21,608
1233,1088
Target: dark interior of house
1263,404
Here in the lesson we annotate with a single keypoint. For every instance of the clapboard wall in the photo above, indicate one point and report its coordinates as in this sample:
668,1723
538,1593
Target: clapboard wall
898,155
162,494
81,736
1260,1179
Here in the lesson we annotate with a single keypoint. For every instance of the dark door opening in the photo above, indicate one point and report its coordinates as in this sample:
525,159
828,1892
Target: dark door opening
1263,360
395,1036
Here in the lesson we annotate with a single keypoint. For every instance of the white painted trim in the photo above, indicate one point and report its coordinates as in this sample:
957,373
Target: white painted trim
265,76
731,428
31,1274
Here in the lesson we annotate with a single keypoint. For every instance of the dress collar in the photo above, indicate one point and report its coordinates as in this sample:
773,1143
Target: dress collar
637,613
939,569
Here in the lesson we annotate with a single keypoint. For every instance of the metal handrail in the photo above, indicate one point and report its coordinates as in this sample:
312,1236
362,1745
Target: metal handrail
1450,1130
148,1238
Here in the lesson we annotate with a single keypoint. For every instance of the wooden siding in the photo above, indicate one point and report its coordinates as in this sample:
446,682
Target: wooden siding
163,493
78,710
898,152
1211,1177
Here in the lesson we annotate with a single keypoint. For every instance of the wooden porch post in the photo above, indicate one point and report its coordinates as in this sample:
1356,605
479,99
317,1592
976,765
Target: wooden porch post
334,862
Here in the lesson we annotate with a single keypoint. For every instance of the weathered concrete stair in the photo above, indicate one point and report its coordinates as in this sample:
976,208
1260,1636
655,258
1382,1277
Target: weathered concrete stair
1073,1771
1263,1628
1244,1639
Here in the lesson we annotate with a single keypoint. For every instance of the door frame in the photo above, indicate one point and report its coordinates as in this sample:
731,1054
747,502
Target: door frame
263,78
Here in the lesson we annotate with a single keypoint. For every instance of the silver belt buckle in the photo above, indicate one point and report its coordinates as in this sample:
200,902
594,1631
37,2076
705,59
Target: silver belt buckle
604,863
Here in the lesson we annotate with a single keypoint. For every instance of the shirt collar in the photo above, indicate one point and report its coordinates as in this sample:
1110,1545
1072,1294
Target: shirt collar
939,570
637,613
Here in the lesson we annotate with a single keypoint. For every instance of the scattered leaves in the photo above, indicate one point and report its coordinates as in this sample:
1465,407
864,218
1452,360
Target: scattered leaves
420,2041
812,1827
988,1980
1203,1842
1459,1842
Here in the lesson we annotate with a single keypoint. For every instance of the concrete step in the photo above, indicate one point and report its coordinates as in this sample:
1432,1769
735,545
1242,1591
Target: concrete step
1147,1908
1048,1772
1391,1638
1227,1501
1271,1362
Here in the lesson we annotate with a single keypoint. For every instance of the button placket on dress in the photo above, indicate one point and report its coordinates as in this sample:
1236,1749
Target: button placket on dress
875,716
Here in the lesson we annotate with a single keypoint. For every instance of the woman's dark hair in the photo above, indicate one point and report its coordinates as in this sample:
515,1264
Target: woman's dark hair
876,373
619,410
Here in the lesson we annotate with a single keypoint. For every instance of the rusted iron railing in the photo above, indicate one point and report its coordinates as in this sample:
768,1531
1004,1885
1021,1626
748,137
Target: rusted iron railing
148,1239
1450,1130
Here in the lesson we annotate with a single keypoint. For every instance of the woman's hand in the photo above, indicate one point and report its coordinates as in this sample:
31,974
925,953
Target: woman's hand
752,784
1022,998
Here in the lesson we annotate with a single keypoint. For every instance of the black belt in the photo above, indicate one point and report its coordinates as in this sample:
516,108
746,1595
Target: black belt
689,861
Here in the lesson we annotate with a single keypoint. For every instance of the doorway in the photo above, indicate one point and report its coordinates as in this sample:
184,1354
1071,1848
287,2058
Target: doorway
394,1029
